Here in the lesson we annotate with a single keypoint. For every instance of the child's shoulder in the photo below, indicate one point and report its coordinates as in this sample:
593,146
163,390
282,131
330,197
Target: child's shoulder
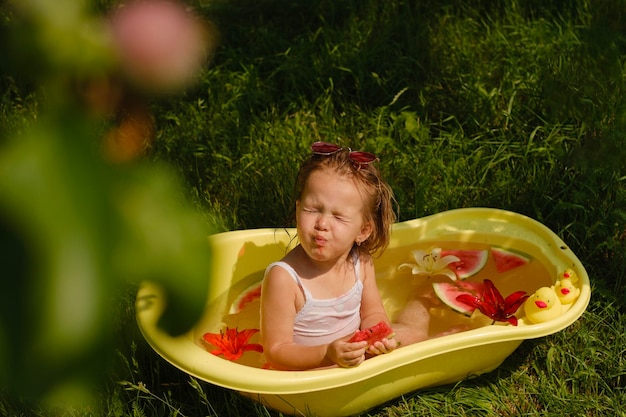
366,266
279,276
280,268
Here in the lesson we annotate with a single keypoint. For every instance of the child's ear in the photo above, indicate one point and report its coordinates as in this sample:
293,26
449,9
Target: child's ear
366,231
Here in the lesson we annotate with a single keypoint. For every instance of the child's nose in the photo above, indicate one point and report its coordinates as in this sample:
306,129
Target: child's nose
321,222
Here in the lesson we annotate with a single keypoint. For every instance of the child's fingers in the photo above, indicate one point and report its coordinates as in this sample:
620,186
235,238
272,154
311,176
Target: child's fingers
348,354
381,347
352,358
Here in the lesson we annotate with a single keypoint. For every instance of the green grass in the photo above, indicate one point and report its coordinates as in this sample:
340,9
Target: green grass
516,104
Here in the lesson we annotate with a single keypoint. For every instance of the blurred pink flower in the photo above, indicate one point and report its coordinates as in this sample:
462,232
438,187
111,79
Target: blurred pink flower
160,44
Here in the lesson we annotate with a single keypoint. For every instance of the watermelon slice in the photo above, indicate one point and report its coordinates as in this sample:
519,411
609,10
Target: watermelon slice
470,261
506,260
373,334
448,291
250,294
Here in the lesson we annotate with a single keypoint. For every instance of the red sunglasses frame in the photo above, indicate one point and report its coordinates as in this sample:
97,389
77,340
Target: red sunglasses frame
359,158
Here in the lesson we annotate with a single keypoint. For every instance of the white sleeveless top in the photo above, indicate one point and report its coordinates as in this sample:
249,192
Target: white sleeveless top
323,321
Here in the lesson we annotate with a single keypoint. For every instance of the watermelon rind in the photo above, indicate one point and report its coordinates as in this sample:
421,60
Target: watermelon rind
470,261
506,259
247,296
448,291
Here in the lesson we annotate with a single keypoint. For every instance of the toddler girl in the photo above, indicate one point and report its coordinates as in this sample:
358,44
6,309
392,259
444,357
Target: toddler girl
324,289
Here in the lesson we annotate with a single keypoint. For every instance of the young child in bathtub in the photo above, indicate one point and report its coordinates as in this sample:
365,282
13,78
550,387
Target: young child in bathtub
324,289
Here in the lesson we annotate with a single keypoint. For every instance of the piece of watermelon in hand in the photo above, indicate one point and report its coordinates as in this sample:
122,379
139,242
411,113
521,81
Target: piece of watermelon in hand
373,334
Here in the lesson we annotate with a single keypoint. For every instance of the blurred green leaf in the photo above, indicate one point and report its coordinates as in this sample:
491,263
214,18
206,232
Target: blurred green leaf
85,231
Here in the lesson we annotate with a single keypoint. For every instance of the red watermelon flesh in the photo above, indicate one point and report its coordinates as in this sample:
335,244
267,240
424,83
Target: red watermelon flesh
373,334
470,261
448,291
250,294
506,260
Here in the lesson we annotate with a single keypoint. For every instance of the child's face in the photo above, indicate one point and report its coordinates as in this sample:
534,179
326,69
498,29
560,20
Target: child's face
329,216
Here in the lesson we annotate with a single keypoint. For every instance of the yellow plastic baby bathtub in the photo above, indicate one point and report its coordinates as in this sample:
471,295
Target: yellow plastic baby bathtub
241,257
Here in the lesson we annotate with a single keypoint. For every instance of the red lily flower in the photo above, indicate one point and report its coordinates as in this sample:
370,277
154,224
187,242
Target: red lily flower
232,343
493,305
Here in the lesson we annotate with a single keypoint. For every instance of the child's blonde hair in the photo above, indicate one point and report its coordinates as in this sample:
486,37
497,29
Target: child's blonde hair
377,194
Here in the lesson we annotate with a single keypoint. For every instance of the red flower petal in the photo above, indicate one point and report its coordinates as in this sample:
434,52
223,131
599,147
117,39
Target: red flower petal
232,343
233,356
491,295
493,305
470,300
514,301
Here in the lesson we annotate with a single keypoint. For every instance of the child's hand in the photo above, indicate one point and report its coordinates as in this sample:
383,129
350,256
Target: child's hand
346,354
383,346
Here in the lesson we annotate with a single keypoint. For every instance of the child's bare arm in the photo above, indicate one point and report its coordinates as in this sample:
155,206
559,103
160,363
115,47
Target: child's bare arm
372,309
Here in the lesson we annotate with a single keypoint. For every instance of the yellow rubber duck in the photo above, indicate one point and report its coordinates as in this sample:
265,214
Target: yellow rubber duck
566,291
543,305
568,274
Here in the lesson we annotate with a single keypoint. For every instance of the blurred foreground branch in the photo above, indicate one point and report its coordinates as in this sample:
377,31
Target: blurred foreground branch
82,216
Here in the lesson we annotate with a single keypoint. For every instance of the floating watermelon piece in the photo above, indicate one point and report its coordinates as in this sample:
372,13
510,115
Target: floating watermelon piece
373,334
250,294
506,260
470,261
449,291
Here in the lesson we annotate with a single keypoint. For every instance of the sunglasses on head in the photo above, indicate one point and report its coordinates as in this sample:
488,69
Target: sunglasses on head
358,158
